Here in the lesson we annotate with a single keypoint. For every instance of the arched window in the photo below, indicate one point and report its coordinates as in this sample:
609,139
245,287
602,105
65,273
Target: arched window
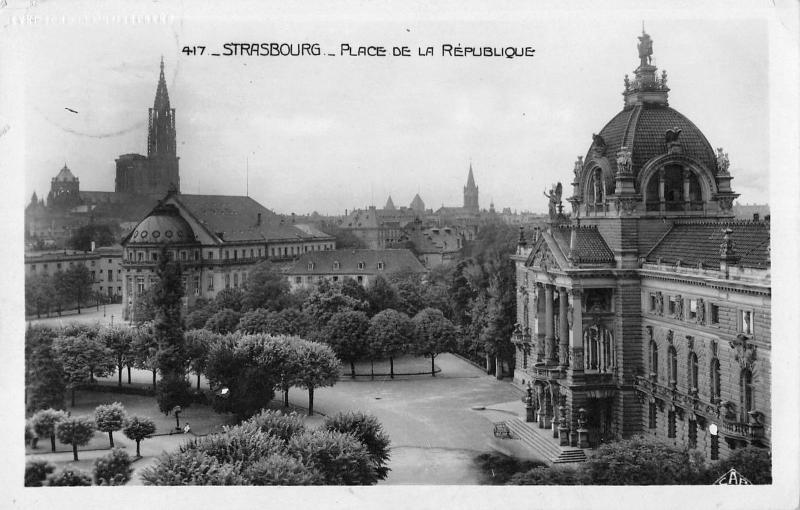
672,358
715,381
653,360
693,372
674,188
746,386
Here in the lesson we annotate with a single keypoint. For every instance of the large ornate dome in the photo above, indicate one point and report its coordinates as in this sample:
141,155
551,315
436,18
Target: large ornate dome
164,225
641,128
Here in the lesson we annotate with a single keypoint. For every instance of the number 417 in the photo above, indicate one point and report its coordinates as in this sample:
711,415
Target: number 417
193,50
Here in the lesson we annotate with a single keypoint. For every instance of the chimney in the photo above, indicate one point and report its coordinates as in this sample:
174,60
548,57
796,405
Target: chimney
755,216
727,252
93,246
258,221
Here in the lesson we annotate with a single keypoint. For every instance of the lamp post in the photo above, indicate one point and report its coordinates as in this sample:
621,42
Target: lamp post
177,412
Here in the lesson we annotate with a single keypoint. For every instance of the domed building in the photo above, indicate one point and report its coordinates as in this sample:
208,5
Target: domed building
647,309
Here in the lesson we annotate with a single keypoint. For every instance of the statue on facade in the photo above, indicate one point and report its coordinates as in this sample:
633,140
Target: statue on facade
723,163
578,168
555,199
679,307
701,311
624,161
659,303
645,48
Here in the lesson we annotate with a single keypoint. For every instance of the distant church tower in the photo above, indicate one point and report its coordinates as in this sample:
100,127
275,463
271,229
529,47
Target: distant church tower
471,193
157,172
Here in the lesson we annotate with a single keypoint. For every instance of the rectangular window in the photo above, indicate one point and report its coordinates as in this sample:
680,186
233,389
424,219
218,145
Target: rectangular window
92,263
235,255
336,278
746,322
714,447
671,429
298,279
652,302
92,275
211,255
692,434
227,254
259,252
197,255
183,255
251,253
692,309
651,415
672,305
210,283
360,279
714,312
227,281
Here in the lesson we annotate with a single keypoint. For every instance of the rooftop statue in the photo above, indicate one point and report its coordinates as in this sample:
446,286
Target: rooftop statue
645,49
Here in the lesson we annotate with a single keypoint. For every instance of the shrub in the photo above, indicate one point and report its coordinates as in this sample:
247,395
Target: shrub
282,469
340,458
36,472
368,430
497,468
644,462
243,444
69,477
191,467
224,321
280,425
753,463
113,468
555,475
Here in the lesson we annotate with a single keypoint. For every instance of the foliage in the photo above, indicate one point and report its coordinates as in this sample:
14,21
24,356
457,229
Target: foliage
643,462
497,468
191,467
198,345
554,475
265,288
243,444
381,295
752,462
69,477
109,418
390,333
223,321
118,340
45,381
433,333
75,285
369,431
144,309
113,468
77,431
346,332
282,469
353,289
173,391
325,301
39,297
318,367
36,472
82,238
230,298
82,358
262,320
345,238
298,320
144,349
339,458
196,319
44,424
138,428
277,424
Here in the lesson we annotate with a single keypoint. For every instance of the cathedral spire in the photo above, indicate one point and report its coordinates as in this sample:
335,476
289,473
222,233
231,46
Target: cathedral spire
162,96
471,192
161,132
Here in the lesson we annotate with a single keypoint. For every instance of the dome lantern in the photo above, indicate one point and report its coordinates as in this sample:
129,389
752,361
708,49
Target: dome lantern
647,87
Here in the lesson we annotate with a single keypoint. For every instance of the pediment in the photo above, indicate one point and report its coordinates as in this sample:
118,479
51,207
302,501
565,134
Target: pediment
543,257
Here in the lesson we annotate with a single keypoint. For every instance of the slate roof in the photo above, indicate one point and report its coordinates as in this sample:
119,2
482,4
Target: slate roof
236,218
323,262
65,175
590,247
642,128
693,242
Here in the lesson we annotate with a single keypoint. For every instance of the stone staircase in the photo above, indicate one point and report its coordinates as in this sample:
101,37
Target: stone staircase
539,441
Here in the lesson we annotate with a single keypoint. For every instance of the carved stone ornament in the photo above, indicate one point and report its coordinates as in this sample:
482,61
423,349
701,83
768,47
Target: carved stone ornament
627,204
725,203
690,342
701,311
670,336
745,352
570,315
577,358
679,307
598,145
723,163
672,140
624,161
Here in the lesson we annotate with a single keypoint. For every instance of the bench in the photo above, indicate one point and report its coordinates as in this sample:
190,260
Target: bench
502,430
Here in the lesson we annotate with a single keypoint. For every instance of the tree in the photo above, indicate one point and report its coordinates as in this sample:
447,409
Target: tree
77,431
168,329
262,320
198,345
368,430
433,334
45,381
38,293
36,472
138,428
285,361
325,301
299,323
318,367
391,333
230,298
752,462
197,318
346,333
69,477
109,418
355,290
340,458
266,287
382,295
82,238
223,321
82,357
118,340
45,422
77,282
144,350
644,462
143,308
113,468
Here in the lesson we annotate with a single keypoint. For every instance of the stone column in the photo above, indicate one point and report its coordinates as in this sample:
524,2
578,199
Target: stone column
539,322
661,198
563,328
687,205
549,330
576,344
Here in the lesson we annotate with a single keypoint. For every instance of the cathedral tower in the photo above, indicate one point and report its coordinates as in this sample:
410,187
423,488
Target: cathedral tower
471,193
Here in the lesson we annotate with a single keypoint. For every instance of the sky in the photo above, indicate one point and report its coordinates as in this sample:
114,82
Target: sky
330,133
